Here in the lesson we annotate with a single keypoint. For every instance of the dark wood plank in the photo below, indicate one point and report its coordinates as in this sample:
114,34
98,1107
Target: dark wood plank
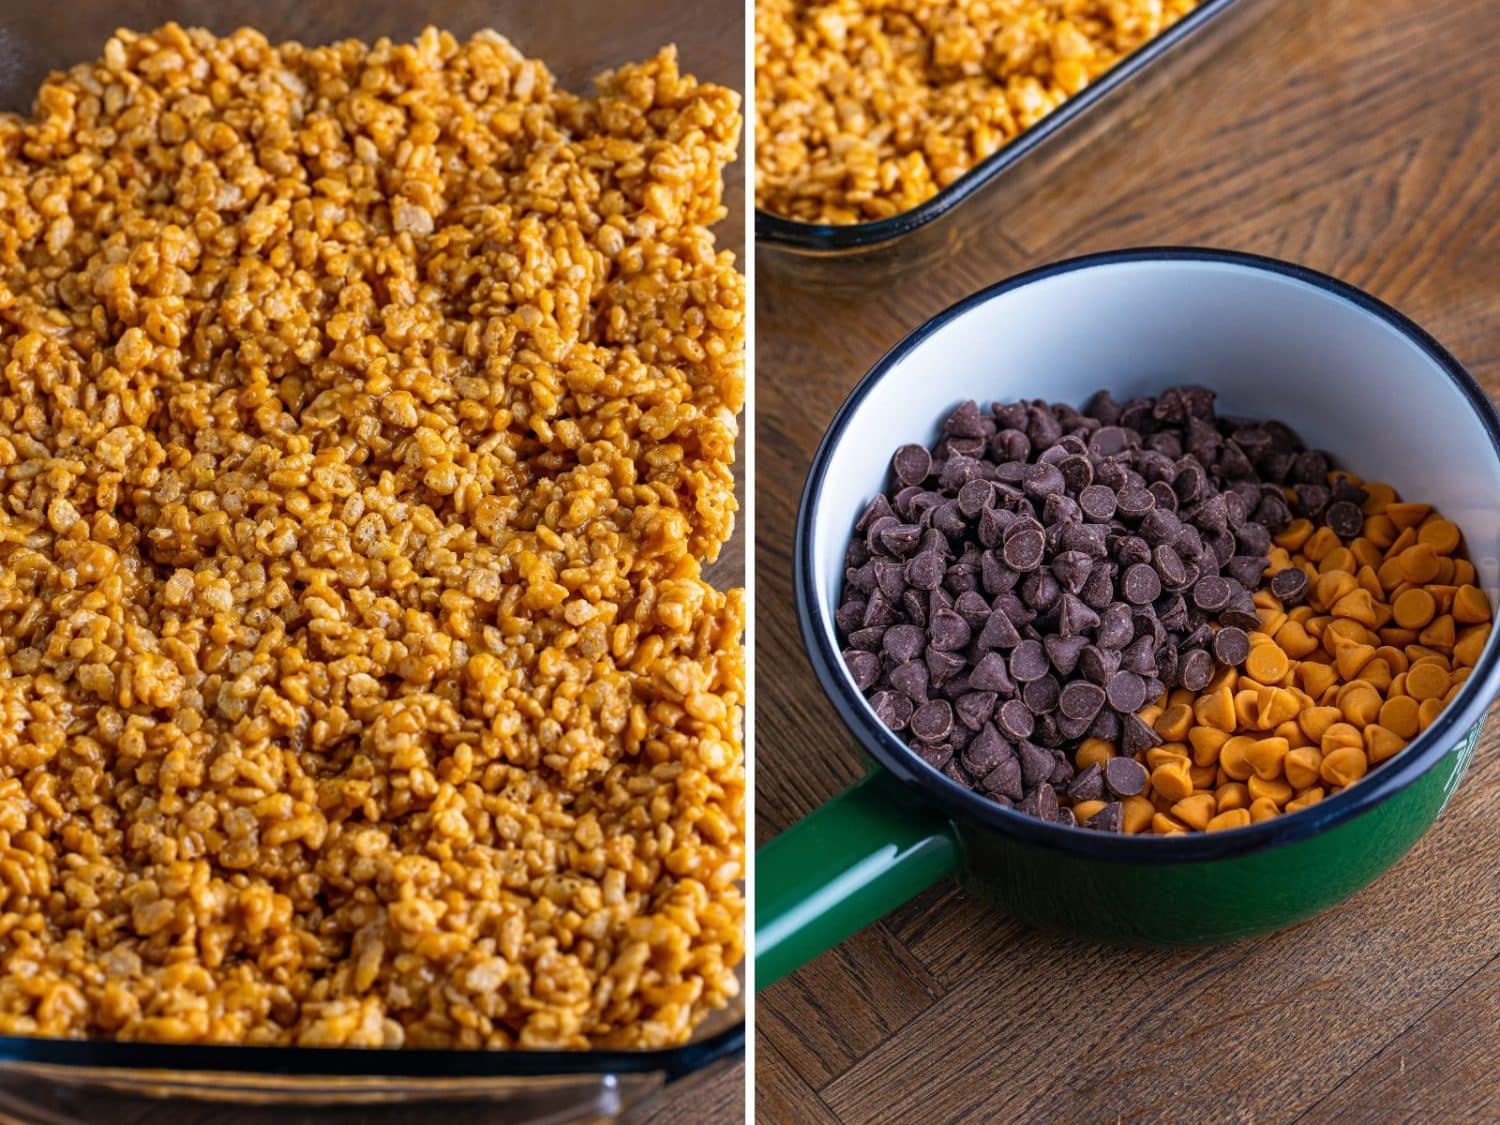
1361,137
782,1096
1439,1069
716,1100
880,988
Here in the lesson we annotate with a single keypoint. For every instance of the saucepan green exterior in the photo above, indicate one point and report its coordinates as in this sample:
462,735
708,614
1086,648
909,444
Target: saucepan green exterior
906,826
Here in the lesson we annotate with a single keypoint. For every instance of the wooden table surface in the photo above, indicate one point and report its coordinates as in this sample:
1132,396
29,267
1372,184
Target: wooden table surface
1361,137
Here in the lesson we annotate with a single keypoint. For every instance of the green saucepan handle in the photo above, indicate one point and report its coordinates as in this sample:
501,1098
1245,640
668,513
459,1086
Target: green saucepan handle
852,861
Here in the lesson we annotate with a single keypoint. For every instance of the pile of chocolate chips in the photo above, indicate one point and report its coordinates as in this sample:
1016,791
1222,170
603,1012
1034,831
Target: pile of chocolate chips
1040,574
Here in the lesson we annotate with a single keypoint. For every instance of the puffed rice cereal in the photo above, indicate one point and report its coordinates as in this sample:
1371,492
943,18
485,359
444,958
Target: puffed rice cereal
367,414
866,108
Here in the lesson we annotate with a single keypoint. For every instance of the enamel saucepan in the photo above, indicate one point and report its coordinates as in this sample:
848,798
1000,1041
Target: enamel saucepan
1352,376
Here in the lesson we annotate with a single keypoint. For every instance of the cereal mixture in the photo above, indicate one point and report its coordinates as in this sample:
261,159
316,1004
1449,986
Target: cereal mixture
866,108
367,416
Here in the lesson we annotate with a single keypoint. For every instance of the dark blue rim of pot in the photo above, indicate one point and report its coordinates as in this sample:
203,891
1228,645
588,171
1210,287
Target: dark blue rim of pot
968,807
830,238
364,1062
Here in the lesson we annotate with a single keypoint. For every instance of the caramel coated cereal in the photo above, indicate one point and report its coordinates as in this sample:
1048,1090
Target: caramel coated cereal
866,109
367,415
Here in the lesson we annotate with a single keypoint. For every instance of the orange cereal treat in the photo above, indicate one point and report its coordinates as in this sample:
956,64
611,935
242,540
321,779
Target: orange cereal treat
367,416
864,110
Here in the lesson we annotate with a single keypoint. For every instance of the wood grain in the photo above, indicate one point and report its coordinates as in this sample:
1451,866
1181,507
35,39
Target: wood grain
1361,137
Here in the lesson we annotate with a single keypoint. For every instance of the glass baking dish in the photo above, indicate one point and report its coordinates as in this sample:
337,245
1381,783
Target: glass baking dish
91,1081
970,205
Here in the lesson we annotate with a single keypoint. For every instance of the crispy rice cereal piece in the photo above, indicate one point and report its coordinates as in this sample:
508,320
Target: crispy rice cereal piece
366,415
865,108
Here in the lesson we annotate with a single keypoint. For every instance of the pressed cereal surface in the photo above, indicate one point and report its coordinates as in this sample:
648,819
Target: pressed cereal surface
866,108
366,416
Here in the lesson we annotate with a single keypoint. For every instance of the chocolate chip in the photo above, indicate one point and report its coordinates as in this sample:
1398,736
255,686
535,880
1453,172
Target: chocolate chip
1004,780
1041,802
942,666
1125,777
1088,785
1111,818
1190,482
1140,584
877,509
1063,652
1345,519
1072,570
1023,551
1134,502
1231,645
1136,735
925,571
1040,591
864,667
1077,473
986,751
937,756
992,674
1246,569
1346,490
850,616
1043,480
1169,566
975,497
1081,700
903,643
1108,441
1041,695
891,708
1014,720
1289,585
1312,500
900,538
965,421
1126,692
1116,627
1036,764
1099,590
890,579
911,464
1195,670
1106,725
1028,661
1211,593
932,721
948,631
975,708
911,680
1098,665
1166,499
1073,617
998,632
1139,656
